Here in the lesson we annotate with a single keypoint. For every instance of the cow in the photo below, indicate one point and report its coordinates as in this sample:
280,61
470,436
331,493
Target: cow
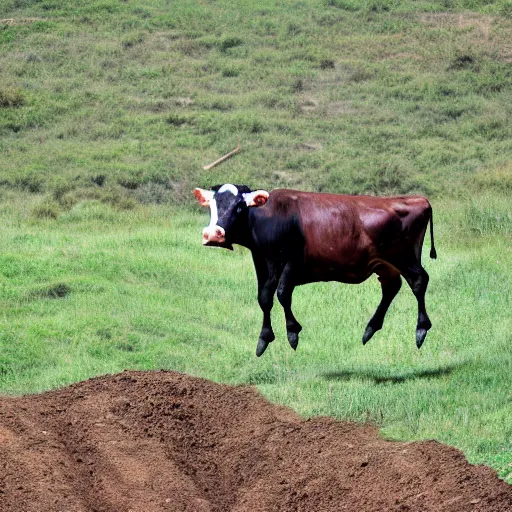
298,237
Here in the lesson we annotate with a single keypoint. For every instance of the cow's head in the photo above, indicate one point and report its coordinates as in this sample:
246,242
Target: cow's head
229,205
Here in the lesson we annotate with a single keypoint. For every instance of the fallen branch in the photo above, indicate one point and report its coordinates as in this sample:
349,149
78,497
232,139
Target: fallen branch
223,158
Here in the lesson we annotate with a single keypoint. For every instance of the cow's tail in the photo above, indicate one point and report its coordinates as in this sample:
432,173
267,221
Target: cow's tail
433,253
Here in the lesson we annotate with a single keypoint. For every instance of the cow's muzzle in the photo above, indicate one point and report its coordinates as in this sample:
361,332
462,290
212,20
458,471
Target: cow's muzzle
213,235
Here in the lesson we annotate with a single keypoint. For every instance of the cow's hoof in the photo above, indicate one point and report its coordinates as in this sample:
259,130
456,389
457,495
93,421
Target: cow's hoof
421,334
367,336
293,339
261,347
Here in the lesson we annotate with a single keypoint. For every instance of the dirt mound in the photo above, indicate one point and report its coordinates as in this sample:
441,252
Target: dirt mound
155,441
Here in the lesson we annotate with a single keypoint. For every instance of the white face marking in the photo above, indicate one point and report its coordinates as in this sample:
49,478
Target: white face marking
208,195
214,215
228,188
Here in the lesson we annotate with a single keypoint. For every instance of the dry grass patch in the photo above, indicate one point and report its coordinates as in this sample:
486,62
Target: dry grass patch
462,20
310,146
20,21
340,108
490,34
497,179
308,105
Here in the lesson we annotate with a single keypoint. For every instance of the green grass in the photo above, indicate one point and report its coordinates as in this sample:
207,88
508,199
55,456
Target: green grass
370,96
109,110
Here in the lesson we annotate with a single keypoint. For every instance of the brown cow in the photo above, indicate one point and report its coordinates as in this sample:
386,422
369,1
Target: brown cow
302,237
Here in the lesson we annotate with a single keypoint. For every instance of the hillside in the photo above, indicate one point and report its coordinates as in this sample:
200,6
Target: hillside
375,96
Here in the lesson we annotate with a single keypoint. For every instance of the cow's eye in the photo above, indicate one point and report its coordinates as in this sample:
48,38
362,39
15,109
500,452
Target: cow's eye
239,208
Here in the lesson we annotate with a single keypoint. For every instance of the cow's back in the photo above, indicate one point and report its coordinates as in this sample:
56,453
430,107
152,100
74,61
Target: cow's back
346,236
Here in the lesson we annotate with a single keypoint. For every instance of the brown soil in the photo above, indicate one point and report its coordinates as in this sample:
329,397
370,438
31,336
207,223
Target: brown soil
155,441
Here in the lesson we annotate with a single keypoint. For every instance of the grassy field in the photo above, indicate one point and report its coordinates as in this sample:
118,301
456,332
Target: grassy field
377,96
98,290
109,109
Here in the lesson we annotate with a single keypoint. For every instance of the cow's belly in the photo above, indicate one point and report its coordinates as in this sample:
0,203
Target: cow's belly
352,272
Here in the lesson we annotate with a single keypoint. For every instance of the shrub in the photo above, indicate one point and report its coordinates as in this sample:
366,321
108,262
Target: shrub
99,179
230,72
229,42
327,64
52,291
60,189
360,74
247,122
67,201
11,97
175,119
379,5
133,39
154,193
119,199
464,61
30,182
47,209
346,5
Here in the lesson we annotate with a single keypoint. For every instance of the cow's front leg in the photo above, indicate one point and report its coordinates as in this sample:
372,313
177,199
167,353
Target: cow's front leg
266,301
284,295
267,283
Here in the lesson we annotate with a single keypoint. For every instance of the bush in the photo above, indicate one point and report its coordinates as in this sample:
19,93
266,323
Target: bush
464,61
30,182
346,5
99,179
60,188
133,39
52,291
175,119
380,5
230,72
118,199
154,193
47,209
11,97
327,64
229,42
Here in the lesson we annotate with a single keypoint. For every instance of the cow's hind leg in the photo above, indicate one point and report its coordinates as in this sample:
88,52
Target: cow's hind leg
417,278
390,282
284,295
268,278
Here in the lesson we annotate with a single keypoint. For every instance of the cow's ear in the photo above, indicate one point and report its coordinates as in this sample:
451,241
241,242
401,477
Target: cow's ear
256,198
203,196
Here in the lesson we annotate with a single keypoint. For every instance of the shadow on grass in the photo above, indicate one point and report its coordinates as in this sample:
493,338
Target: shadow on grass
394,378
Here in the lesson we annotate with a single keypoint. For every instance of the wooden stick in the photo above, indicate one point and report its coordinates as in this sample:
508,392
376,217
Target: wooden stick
223,158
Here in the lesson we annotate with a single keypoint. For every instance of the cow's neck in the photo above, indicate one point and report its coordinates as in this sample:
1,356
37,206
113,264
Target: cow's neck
245,236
